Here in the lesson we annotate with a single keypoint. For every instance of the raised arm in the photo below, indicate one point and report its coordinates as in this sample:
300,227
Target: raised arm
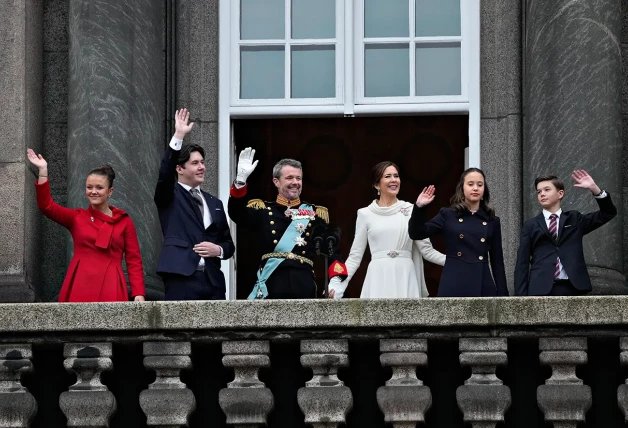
164,191
417,227
239,211
48,207
591,221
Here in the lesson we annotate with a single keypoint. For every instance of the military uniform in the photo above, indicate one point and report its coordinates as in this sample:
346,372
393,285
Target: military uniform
294,277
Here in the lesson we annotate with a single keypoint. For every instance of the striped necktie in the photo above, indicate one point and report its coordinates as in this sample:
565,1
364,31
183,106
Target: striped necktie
553,230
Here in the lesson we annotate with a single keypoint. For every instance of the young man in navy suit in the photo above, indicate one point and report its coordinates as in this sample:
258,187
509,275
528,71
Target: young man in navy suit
550,261
194,225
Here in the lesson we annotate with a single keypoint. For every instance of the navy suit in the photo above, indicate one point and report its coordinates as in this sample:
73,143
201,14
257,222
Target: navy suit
536,258
182,227
473,241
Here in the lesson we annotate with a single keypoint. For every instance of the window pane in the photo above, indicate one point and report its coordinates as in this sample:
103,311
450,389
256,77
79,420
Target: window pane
262,72
313,72
437,18
386,70
438,69
262,19
313,19
386,18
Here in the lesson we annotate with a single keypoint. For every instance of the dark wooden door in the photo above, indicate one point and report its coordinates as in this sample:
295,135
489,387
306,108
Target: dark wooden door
338,155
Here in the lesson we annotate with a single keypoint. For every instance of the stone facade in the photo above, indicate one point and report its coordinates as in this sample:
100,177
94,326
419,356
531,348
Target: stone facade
173,61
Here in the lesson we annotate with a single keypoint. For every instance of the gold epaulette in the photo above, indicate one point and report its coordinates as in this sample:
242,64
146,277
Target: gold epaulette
258,204
323,213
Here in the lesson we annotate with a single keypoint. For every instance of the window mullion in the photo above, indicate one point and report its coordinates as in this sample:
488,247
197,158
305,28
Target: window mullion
288,53
412,49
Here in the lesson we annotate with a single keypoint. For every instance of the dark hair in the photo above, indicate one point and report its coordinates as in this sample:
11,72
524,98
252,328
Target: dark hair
378,172
458,202
105,171
555,181
186,152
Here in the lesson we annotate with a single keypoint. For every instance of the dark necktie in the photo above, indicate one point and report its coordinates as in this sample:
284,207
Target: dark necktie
196,195
553,230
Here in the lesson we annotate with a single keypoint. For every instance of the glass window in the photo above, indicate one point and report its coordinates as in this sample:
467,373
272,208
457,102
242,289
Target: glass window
262,72
386,70
438,69
386,18
313,19
437,18
262,19
313,72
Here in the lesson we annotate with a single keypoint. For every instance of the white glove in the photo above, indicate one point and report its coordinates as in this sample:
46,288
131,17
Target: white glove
245,164
338,286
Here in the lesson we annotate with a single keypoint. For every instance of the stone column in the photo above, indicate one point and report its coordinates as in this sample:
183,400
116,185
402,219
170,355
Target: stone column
622,390
404,400
116,109
246,401
564,399
88,403
325,400
483,398
21,126
573,89
167,402
17,406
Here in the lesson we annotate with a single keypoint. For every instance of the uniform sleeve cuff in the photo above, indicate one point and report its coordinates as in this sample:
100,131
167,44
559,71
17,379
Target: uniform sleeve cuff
338,269
237,193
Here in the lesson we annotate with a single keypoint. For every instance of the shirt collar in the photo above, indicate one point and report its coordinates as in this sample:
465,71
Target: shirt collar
186,187
288,203
547,214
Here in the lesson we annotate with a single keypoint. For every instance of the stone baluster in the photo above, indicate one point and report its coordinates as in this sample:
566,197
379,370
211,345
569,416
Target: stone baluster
88,403
17,406
483,398
246,401
564,399
325,400
622,390
404,400
167,402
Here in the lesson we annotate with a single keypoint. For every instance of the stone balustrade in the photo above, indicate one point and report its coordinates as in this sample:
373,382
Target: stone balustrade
519,362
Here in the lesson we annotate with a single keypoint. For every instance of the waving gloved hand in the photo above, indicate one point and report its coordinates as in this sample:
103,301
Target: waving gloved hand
245,165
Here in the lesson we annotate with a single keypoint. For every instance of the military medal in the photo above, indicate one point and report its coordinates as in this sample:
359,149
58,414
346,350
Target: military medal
299,241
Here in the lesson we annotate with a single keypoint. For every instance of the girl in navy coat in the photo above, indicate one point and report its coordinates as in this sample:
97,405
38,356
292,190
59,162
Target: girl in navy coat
473,238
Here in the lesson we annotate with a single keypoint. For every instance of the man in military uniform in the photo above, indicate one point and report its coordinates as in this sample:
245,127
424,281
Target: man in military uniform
287,228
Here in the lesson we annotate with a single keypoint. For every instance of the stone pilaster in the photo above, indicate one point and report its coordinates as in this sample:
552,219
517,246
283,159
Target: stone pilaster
246,401
88,403
404,400
167,402
564,399
21,126
573,90
325,400
17,406
116,109
483,398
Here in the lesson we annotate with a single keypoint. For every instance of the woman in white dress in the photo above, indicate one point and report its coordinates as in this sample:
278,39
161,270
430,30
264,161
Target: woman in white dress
396,268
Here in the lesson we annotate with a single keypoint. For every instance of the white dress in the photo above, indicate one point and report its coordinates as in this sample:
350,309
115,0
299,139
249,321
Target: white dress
396,268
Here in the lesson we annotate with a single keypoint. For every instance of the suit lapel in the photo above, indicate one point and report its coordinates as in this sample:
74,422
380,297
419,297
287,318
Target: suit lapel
562,221
543,225
211,206
191,204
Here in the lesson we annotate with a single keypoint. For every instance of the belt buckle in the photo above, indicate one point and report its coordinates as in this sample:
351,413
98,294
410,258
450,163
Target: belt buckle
290,256
392,254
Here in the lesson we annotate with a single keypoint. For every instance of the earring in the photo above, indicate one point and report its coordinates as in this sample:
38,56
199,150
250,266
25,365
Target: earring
378,192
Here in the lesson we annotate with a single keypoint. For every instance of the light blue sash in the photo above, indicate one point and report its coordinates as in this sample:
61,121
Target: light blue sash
285,245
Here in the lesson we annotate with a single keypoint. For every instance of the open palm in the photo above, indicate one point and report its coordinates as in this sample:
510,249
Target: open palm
182,123
583,179
37,160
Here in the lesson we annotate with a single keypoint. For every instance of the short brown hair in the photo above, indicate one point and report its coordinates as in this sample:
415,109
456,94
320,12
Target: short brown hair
555,181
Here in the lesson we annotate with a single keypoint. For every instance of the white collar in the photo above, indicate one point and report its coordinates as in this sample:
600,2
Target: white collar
547,214
186,187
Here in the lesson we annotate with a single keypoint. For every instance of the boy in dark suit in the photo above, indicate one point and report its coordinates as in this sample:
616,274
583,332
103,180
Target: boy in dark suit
193,222
550,260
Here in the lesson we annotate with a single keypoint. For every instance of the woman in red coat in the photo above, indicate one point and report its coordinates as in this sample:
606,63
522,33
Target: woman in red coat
101,235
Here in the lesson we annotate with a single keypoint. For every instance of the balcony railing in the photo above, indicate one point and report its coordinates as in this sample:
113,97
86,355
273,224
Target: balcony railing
364,363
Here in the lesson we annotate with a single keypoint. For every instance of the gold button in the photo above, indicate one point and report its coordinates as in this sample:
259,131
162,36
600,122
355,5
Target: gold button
309,225
461,236
268,208
481,258
460,220
270,213
459,254
272,222
303,252
307,234
301,261
275,241
482,239
304,242
484,223
273,232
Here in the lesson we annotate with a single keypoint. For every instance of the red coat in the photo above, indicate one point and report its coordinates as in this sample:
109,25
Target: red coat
95,272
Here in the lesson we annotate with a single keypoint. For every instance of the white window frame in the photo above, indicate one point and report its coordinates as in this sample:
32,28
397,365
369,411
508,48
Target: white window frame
287,42
229,76
411,41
